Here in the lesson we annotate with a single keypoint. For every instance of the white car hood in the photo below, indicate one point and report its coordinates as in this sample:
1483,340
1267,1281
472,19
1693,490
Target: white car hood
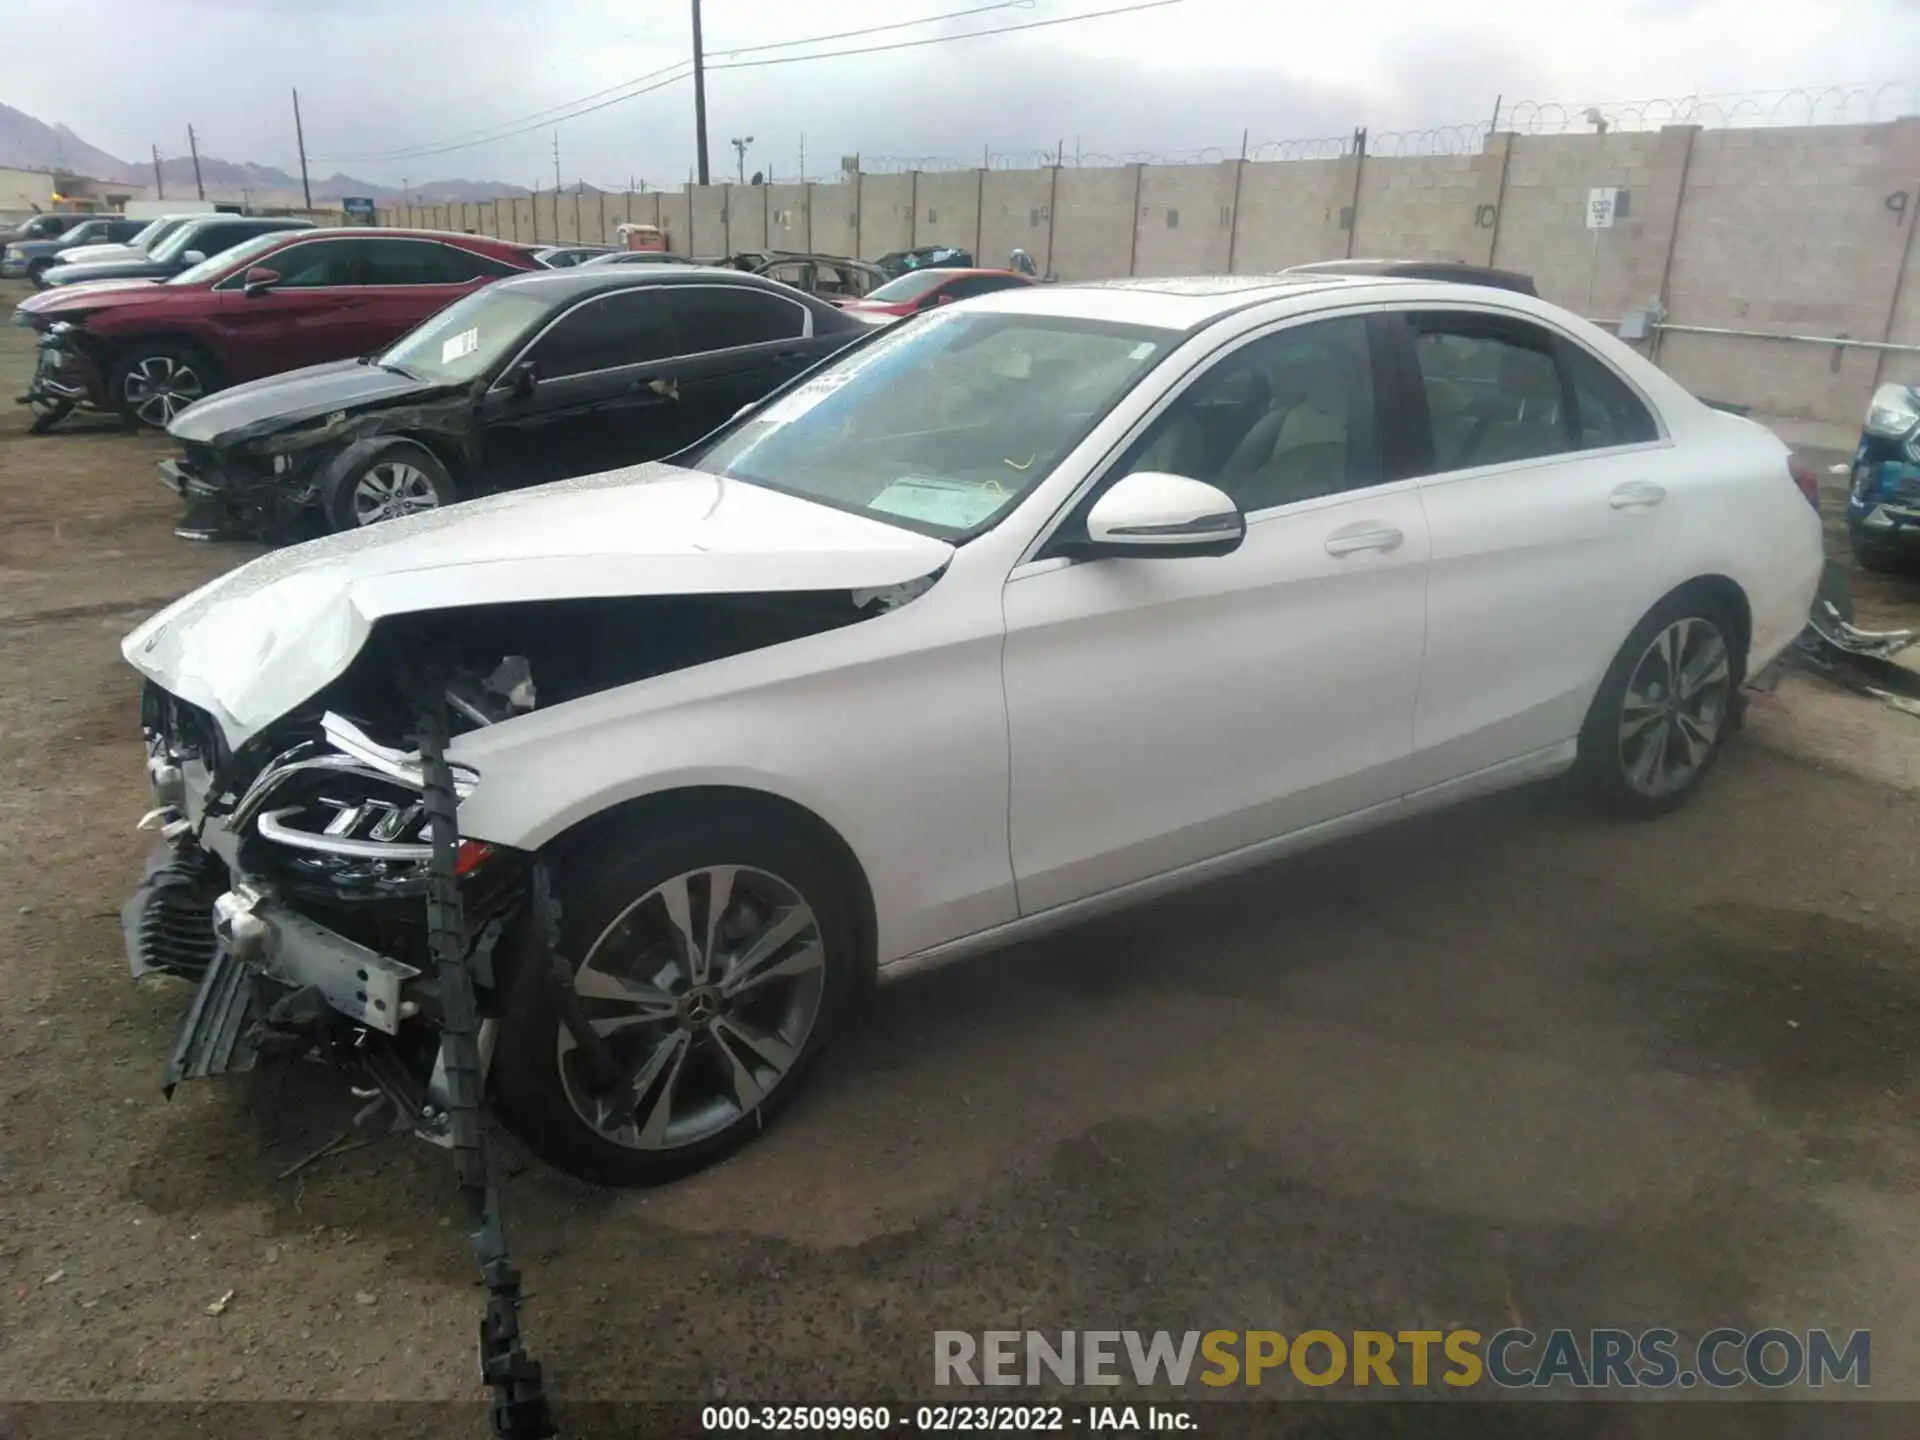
254,644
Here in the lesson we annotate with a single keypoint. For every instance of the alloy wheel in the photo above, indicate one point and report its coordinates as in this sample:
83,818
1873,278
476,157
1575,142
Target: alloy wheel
391,489
705,990
1676,703
160,387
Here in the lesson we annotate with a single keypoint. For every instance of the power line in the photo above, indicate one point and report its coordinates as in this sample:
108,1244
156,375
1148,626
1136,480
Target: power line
538,119
684,69
877,29
948,39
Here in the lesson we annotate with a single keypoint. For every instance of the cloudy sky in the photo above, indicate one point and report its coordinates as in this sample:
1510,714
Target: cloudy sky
384,82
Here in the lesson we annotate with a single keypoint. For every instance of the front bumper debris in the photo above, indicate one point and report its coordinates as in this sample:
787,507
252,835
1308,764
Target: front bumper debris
223,1030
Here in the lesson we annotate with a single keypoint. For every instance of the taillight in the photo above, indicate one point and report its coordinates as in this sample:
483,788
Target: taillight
1807,478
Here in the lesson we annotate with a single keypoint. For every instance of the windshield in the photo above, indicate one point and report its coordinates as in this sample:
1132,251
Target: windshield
469,337
154,233
214,266
945,423
909,287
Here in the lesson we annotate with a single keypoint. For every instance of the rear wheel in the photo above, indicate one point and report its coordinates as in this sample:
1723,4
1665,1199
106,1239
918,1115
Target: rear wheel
401,480
151,384
1664,709
715,956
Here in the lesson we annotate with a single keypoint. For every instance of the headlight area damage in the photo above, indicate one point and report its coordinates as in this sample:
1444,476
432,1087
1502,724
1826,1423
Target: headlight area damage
314,884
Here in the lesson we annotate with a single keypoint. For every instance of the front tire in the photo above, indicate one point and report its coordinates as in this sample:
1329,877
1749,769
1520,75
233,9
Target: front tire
1663,712
37,273
400,480
151,384
716,953
1880,559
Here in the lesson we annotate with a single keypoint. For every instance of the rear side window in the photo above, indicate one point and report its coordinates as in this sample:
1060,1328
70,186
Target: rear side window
725,317
1493,392
605,332
424,262
1608,412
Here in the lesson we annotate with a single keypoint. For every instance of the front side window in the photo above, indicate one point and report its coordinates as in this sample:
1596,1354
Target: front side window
1493,392
1284,418
319,264
606,332
944,423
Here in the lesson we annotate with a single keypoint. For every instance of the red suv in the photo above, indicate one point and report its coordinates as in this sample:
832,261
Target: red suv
149,348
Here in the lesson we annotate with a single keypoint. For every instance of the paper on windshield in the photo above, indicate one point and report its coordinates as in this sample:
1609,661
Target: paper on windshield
939,502
465,343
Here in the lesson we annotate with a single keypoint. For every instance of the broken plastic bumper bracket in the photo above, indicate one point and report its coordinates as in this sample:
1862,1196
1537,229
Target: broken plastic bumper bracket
218,1036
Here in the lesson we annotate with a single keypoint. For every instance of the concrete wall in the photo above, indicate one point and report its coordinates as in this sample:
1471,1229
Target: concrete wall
1088,244
886,214
1290,212
1783,231
832,217
1016,213
1185,219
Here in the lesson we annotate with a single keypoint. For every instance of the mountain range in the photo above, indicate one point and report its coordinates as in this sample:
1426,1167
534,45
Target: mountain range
27,143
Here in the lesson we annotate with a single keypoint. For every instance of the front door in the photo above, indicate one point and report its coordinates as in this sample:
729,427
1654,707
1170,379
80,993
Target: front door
1543,489
601,394
316,311
1165,711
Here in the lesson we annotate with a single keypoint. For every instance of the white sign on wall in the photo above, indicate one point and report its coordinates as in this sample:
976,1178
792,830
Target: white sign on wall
1600,206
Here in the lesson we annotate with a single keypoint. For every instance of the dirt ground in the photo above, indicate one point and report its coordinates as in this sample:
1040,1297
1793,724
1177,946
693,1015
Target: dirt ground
1512,1064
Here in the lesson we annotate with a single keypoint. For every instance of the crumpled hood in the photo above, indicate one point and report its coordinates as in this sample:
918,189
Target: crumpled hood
259,641
287,401
92,295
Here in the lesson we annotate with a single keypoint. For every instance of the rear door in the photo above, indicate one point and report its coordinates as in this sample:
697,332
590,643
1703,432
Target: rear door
601,397
410,279
315,312
1542,474
736,342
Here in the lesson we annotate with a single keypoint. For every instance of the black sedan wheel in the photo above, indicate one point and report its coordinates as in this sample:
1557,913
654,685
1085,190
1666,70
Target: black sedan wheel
37,273
153,383
400,480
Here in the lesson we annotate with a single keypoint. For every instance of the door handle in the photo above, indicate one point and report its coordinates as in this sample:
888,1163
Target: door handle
1636,494
1364,536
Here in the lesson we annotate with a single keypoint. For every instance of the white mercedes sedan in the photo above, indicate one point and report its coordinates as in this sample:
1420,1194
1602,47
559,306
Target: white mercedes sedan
1013,613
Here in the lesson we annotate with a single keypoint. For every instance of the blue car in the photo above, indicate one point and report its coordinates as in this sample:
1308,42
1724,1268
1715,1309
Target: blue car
1883,501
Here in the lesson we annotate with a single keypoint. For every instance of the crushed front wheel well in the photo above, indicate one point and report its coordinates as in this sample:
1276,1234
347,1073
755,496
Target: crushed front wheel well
708,802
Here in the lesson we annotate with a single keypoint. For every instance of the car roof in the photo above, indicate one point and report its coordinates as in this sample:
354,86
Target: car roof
449,237
1190,301
1458,271
564,285
955,272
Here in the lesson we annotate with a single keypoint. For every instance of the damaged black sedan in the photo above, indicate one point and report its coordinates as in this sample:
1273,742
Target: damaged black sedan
536,378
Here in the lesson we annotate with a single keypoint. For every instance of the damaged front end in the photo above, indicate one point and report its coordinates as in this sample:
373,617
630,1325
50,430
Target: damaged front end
350,924
291,890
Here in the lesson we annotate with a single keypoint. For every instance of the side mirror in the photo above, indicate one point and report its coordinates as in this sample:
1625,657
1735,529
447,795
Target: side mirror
1152,513
258,281
192,258
522,379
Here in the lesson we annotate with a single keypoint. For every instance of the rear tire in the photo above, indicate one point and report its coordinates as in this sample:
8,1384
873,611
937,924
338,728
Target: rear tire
1664,710
151,384
706,1058
400,480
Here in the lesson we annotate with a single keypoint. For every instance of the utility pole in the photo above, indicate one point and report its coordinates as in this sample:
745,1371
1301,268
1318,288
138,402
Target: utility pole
193,146
699,95
556,162
300,138
159,185
803,157
740,144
